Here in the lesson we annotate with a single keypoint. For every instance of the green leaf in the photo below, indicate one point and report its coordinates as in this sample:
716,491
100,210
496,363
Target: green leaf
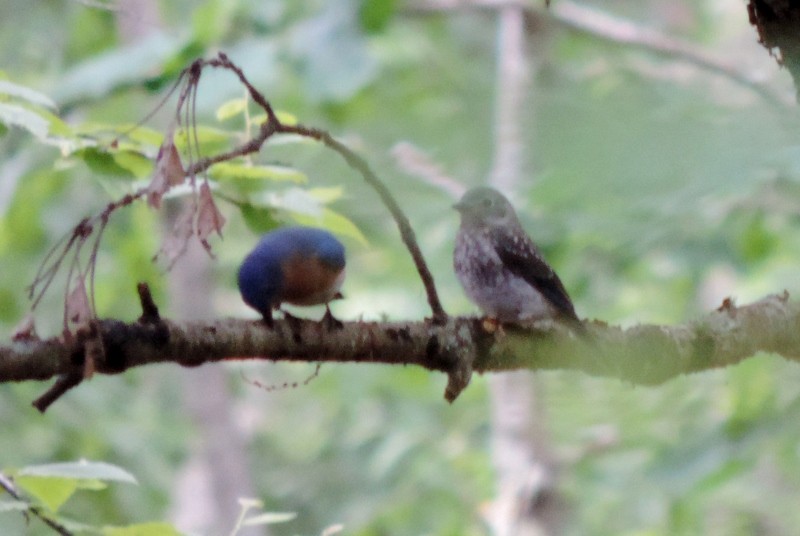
103,162
90,31
211,20
757,241
297,200
326,195
210,139
374,15
52,492
172,66
287,118
332,221
38,121
19,116
101,73
143,135
142,529
135,162
27,94
82,469
259,219
269,518
56,125
231,108
127,135
228,170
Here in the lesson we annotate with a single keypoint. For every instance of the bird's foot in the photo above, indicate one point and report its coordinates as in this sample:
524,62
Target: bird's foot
295,325
579,328
492,325
330,322
293,321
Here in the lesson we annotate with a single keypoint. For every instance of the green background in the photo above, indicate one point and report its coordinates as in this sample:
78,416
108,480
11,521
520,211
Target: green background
654,187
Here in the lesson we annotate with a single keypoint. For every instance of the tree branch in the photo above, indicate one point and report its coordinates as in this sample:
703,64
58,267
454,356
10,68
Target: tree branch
274,126
188,82
646,354
619,31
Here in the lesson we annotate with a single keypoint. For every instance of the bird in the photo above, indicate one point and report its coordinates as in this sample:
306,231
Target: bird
297,265
501,269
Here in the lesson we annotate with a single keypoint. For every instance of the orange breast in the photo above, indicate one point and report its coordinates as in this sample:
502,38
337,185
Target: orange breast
309,281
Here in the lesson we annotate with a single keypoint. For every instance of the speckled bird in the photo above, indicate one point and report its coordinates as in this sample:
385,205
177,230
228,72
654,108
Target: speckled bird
500,267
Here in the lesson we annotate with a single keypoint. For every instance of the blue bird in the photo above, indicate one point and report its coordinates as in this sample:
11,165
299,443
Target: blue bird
296,265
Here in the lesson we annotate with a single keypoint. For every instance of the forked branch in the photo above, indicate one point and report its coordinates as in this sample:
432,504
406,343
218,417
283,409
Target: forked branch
203,217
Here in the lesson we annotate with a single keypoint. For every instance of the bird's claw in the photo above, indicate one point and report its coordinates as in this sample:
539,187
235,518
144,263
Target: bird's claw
293,321
492,325
330,322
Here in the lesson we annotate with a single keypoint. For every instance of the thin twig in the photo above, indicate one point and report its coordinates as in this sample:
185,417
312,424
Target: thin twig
273,125
414,161
150,312
624,32
406,231
615,30
49,267
63,383
187,102
93,265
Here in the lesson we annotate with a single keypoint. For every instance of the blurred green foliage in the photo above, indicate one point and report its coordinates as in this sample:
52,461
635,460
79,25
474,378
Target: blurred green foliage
654,187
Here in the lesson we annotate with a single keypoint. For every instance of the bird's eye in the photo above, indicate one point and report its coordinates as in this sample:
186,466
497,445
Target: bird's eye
487,203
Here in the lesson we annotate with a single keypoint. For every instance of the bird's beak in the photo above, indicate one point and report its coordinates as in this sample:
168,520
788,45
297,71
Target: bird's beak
460,206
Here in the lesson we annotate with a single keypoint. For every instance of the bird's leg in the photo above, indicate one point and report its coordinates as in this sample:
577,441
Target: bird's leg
267,318
329,321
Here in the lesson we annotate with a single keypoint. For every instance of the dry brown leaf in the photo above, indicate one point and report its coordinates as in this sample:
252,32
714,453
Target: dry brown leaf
77,304
169,171
209,218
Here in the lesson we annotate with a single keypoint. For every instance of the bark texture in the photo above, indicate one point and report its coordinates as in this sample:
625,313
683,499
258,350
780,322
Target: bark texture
645,354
